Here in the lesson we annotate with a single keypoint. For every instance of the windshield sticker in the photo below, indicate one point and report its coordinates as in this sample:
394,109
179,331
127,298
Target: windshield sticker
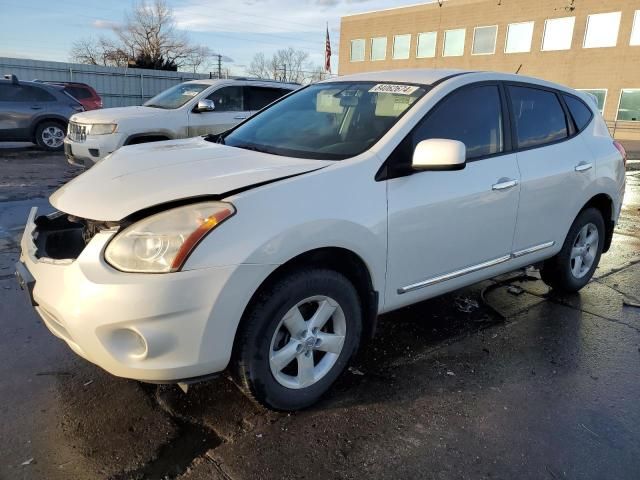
397,89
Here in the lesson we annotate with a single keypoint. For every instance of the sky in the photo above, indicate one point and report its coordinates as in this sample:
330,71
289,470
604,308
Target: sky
237,29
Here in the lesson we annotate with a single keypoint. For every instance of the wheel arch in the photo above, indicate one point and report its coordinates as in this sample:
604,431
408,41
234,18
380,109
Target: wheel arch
604,204
343,261
40,120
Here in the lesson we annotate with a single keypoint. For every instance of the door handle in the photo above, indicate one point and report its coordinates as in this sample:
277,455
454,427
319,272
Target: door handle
36,107
583,167
240,117
504,183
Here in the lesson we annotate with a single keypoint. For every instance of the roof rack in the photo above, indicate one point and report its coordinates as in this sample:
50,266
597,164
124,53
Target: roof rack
13,79
268,80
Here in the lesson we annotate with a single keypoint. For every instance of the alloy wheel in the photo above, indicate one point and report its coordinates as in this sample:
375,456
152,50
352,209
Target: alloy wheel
584,251
307,342
52,136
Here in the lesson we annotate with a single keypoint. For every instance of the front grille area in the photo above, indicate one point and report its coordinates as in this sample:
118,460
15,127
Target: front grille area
77,132
60,236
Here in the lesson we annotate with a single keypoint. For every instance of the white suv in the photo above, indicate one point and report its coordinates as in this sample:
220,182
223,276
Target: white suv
272,248
193,108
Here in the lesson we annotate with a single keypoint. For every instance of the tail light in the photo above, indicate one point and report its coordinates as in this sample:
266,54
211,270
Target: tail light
622,151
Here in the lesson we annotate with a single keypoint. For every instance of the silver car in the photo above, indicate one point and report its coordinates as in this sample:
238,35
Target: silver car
34,112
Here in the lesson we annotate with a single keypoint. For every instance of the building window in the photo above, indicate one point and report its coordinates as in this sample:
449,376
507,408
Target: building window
357,50
484,40
602,30
629,107
426,45
519,37
558,33
453,43
378,48
401,46
600,95
635,30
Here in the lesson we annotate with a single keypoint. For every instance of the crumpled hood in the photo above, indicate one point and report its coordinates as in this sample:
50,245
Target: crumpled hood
116,115
141,176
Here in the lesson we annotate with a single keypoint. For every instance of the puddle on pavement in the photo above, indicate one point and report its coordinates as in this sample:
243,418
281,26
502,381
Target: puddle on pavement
174,457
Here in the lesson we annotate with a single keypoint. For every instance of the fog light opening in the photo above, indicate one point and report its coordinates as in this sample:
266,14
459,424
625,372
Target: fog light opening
130,343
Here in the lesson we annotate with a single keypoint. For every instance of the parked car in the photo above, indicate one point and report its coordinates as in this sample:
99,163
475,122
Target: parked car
271,249
197,107
85,94
33,112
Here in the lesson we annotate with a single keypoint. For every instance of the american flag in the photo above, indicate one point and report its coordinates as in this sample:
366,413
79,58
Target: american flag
327,53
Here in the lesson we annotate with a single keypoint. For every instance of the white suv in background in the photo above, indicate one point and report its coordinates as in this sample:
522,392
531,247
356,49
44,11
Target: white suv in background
272,248
197,107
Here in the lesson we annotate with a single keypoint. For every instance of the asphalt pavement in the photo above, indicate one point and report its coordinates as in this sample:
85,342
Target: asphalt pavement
504,379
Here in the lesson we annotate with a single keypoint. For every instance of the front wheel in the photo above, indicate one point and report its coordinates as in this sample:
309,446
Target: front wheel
573,267
297,338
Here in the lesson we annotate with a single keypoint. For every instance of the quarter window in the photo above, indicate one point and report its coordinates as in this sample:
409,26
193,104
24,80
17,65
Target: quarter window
227,99
519,37
484,40
635,30
558,33
357,50
401,46
629,108
471,115
454,43
600,95
378,48
602,30
579,111
539,117
426,45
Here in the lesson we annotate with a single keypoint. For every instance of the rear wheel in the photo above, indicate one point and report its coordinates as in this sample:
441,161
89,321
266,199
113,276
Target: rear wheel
50,136
573,267
297,338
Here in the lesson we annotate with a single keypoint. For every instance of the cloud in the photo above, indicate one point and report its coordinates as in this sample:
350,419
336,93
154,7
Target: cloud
105,24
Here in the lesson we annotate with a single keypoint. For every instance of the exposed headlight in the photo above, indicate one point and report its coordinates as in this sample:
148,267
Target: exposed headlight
161,243
101,128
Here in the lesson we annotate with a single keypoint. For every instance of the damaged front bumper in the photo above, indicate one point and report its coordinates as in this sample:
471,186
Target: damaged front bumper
153,327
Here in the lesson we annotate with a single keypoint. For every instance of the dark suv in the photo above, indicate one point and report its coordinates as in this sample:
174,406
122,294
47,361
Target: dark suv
35,112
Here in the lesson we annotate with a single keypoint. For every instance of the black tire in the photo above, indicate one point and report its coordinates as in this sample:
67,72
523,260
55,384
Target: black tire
254,342
43,129
557,271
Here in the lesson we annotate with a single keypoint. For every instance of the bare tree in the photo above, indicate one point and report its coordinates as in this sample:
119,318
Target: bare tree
149,37
288,65
99,52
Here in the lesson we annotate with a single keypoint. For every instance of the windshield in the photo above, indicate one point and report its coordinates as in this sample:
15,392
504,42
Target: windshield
330,121
176,96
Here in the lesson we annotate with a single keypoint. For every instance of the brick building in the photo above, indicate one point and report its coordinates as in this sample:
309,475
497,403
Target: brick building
586,44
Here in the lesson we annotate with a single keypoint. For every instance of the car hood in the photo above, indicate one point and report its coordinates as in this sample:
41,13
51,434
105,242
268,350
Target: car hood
137,177
115,115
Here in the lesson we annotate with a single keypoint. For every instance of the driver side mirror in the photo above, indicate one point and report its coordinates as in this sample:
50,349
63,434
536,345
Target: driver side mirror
439,154
205,105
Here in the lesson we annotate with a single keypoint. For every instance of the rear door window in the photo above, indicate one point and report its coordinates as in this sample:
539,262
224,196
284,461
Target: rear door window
260,97
538,115
228,99
579,111
30,93
471,115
